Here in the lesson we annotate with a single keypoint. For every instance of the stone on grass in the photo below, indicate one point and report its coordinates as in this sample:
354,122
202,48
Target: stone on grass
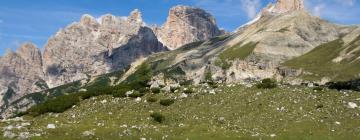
352,105
88,133
138,99
183,95
9,134
51,126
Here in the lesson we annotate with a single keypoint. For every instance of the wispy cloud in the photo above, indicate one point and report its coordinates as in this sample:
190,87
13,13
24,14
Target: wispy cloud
250,7
1,21
340,11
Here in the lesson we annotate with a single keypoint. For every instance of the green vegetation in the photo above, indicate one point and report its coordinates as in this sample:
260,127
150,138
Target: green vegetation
319,63
287,112
223,64
61,103
151,99
188,90
155,90
158,117
136,94
267,84
167,102
238,51
283,30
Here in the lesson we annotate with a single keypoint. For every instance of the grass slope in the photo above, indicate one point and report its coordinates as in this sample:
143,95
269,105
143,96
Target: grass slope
319,63
235,112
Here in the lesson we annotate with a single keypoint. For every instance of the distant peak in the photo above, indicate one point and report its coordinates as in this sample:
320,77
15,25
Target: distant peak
135,16
88,20
284,6
27,47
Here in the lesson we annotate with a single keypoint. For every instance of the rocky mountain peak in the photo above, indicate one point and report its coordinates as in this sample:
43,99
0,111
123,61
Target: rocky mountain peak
187,24
284,6
135,17
108,19
88,20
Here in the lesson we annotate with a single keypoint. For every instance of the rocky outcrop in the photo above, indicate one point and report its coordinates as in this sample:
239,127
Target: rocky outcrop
21,73
89,48
185,25
284,6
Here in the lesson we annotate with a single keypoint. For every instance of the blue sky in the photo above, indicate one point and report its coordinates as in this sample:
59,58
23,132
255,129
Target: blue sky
37,20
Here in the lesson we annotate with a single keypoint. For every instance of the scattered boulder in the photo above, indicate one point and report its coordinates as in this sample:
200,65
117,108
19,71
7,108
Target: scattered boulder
51,126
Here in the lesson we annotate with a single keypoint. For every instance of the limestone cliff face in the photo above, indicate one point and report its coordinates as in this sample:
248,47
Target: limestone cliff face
283,6
185,25
89,48
21,73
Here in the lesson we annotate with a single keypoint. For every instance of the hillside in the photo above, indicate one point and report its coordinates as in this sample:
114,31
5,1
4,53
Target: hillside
231,112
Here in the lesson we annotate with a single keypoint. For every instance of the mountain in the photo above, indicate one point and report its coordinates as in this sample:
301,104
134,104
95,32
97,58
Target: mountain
21,72
282,32
188,79
89,48
186,25
92,47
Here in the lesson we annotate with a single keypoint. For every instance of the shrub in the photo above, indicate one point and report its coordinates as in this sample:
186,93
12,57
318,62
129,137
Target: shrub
267,84
120,93
188,90
186,83
173,89
57,105
167,102
318,88
158,117
151,99
155,90
136,94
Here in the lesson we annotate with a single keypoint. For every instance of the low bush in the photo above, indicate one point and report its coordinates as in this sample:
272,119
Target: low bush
188,90
151,99
57,105
267,84
136,94
173,89
318,88
158,117
167,102
155,90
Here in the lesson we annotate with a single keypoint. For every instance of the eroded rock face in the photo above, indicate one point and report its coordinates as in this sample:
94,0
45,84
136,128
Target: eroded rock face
89,48
21,73
185,25
284,6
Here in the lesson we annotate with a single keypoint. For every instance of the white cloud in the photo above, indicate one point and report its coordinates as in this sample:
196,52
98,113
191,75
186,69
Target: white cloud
347,2
250,7
318,9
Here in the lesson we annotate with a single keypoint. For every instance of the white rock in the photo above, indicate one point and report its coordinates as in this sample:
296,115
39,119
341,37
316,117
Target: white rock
352,105
338,123
88,133
142,138
9,134
183,95
138,99
104,101
212,92
25,124
51,126
273,135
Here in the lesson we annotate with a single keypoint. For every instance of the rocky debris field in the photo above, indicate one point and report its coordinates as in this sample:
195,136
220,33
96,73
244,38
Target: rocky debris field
202,112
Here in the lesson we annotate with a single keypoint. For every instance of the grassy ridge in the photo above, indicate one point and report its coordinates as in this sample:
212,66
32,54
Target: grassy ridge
319,61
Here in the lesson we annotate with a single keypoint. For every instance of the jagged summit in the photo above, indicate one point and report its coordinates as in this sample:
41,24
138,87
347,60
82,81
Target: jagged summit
280,7
135,17
186,24
284,6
